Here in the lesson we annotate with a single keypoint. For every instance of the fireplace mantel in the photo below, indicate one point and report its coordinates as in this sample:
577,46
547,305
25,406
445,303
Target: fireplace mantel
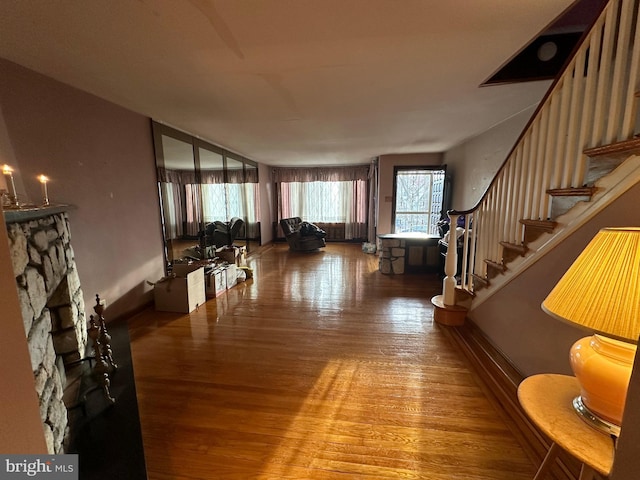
19,215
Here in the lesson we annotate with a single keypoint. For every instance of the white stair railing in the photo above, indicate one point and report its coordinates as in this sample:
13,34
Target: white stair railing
592,103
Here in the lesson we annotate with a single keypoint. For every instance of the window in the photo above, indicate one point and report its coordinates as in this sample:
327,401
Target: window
418,198
227,200
324,202
325,195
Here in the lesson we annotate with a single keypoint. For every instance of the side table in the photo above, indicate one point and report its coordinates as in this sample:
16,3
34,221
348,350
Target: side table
546,399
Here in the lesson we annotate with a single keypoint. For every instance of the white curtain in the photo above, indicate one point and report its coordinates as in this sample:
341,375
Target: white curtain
252,208
190,201
194,209
327,202
222,201
213,202
173,210
325,195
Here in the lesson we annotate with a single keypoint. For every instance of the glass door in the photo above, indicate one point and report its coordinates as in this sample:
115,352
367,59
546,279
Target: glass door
418,197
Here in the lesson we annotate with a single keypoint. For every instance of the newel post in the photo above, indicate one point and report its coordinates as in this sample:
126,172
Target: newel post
450,265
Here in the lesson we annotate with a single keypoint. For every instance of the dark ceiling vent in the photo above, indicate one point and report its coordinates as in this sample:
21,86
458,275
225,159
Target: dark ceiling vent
542,59
545,55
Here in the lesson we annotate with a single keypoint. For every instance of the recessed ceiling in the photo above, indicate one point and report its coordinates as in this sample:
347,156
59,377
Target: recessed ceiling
290,82
545,56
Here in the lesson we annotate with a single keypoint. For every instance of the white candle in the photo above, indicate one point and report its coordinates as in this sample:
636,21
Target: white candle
45,195
11,187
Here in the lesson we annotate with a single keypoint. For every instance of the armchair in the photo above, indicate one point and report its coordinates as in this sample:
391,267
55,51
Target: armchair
220,233
301,238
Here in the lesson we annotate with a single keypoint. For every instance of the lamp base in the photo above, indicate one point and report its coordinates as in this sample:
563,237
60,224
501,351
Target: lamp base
593,420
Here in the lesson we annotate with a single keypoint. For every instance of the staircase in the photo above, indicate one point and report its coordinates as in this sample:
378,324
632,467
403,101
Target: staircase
577,154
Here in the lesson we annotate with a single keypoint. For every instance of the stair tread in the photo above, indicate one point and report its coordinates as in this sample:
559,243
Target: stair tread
496,265
480,279
571,192
463,292
516,247
626,147
541,224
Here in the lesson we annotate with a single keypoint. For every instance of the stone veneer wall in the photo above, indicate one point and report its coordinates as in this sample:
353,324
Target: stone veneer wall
392,256
52,307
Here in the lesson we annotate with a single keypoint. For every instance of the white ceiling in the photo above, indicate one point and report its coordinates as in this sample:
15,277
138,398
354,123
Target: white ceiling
290,82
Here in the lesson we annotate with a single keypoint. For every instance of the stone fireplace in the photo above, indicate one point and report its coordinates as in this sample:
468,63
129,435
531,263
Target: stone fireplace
52,306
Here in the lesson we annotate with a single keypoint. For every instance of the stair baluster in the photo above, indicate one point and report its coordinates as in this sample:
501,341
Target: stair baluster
592,104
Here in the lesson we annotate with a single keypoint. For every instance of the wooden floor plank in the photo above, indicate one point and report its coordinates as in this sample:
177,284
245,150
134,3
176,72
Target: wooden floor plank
318,368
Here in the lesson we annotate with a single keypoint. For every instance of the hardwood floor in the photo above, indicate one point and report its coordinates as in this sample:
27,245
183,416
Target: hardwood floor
318,368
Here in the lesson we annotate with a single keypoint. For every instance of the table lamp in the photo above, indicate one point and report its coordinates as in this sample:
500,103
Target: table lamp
601,292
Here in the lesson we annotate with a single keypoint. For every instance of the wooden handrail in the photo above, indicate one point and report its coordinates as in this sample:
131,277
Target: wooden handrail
591,103
533,118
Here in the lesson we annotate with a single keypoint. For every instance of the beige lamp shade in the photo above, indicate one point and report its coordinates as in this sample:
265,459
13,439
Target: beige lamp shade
601,290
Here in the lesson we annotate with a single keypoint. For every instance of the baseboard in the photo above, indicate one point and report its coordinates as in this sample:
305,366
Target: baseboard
132,312
499,380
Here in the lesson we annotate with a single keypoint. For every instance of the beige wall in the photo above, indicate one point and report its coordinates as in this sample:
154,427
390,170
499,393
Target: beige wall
100,159
385,183
513,319
473,164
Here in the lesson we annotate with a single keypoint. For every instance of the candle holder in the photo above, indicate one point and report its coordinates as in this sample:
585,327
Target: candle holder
45,194
7,171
